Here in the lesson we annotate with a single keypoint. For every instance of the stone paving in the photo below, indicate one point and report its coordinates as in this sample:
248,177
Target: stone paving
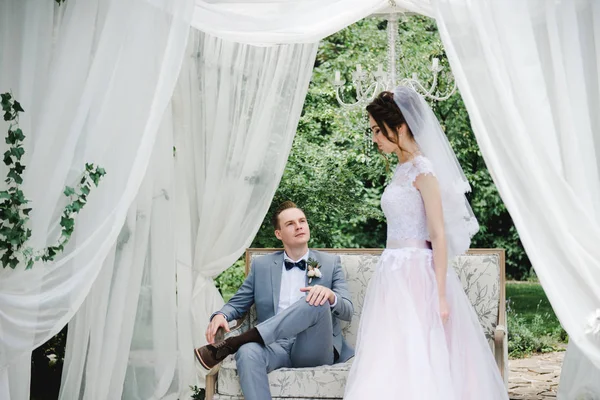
535,378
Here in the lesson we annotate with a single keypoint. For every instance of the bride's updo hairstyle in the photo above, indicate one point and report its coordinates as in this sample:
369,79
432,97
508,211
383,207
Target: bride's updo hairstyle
384,110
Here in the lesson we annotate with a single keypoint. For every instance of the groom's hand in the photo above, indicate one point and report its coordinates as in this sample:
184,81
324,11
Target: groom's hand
318,295
217,322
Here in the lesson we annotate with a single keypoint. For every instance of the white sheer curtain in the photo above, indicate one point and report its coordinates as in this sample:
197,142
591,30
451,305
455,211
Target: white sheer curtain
94,91
529,74
95,77
235,108
289,21
123,340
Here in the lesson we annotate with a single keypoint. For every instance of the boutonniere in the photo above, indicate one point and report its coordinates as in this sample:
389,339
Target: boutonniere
313,270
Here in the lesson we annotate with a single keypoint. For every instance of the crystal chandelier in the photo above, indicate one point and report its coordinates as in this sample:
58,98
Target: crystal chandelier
367,85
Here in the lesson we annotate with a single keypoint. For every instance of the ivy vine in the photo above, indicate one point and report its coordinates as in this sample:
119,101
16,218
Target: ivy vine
14,213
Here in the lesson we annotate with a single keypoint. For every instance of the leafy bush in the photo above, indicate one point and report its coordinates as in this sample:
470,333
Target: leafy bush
46,367
198,393
540,334
231,279
339,183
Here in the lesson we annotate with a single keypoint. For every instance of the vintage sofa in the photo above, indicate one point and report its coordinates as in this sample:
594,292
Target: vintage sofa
481,272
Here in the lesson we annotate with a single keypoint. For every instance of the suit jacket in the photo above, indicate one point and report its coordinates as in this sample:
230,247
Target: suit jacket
263,284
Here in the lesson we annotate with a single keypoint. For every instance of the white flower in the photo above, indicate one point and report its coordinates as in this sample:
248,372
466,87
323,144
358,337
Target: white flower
312,273
593,323
52,359
317,273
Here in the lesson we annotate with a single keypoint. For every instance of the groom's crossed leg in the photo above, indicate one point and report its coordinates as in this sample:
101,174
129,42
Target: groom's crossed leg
313,346
255,361
311,326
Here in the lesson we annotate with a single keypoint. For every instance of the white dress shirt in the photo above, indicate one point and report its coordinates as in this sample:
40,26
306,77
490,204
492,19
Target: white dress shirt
291,282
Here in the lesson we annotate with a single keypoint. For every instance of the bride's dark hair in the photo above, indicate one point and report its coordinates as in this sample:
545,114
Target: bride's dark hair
384,110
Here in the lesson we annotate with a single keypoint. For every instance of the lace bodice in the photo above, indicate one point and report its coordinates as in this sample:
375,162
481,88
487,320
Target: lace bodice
402,203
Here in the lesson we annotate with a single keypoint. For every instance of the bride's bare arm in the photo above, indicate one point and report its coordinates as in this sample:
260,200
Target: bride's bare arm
428,186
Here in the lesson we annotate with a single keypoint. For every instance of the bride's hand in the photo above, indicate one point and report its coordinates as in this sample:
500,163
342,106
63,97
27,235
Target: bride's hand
444,310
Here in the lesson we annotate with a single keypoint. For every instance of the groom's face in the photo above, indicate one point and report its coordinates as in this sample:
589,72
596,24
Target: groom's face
293,228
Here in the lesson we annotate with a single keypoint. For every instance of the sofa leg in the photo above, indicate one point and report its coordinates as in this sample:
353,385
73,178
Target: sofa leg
211,386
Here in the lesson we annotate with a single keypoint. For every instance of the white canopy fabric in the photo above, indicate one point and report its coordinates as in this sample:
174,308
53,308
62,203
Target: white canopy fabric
95,78
268,22
235,112
194,137
529,75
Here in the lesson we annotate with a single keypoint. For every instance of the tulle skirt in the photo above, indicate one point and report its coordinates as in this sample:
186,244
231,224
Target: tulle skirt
404,351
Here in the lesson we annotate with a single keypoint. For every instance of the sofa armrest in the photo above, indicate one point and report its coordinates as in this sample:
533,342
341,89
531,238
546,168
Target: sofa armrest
236,327
501,351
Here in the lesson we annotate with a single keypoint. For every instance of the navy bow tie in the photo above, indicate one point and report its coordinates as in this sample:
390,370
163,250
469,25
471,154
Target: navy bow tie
300,264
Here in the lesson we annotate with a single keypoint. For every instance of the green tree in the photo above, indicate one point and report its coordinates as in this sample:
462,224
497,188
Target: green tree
339,183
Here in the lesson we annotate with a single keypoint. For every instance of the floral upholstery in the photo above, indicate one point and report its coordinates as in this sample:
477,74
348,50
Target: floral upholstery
480,277
479,274
325,382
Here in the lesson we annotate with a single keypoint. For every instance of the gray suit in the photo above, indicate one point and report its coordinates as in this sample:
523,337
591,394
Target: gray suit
301,335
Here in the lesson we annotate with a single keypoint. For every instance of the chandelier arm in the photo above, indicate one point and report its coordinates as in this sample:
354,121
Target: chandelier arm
342,103
381,80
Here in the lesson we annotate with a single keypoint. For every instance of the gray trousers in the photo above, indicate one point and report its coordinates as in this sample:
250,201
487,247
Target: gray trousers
300,336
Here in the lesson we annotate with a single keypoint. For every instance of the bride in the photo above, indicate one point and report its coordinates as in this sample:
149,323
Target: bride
419,337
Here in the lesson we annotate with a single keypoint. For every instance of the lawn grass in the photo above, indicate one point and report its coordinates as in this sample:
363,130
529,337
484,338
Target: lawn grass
528,299
532,324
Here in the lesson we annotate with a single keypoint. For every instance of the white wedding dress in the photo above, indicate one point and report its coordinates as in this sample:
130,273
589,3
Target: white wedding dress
403,349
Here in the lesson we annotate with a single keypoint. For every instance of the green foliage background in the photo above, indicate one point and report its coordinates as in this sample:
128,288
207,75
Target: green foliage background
339,185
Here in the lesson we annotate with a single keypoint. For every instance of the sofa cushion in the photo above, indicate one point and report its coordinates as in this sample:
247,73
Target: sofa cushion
326,382
480,278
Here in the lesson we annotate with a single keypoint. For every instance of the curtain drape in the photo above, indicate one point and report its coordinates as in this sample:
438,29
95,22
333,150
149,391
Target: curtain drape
94,77
290,21
235,108
528,72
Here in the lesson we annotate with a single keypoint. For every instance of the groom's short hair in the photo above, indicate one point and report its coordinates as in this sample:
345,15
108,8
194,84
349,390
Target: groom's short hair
281,208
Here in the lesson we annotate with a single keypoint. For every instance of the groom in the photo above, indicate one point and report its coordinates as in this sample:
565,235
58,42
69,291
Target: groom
298,316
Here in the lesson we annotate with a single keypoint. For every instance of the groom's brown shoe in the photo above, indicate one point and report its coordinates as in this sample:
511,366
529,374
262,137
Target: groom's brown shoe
213,354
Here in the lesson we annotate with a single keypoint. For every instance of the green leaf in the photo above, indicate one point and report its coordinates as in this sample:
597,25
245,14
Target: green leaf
12,174
76,206
17,152
5,102
85,190
51,252
26,211
17,107
8,116
19,134
7,158
4,194
69,191
10,138
5,259
30,263
19,168
19,197
67,222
